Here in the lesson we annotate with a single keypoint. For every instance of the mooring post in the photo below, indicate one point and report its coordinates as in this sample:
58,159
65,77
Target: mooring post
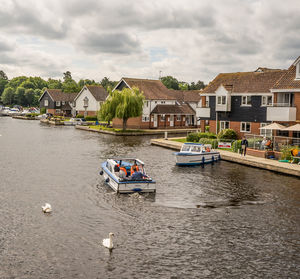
203,160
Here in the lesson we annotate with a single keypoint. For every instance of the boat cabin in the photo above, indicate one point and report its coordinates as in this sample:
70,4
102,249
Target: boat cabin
195,148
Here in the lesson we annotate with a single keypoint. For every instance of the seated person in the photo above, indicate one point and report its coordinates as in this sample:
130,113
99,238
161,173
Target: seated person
268,144
121,170
137,175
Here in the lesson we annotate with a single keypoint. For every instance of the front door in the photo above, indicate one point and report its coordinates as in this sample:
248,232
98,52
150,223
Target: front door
155,121
171,120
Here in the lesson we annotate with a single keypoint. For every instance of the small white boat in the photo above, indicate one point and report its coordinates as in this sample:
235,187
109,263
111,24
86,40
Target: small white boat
196,154
117,174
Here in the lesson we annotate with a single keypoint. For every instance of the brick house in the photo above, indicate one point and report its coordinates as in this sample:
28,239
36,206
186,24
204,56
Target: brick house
163,108
286,105
57,102
89,100
240,101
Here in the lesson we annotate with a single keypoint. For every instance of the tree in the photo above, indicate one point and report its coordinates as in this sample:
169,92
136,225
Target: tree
8,96
3,75
70,87
123,104
199,85
67,76
105,82
170,82
53,84
3,83
29,97
20,96
183,85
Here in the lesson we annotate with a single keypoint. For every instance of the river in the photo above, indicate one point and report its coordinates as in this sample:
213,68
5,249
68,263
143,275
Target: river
220,221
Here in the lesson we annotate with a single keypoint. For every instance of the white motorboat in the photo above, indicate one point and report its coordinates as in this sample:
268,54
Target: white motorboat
117,174
196,154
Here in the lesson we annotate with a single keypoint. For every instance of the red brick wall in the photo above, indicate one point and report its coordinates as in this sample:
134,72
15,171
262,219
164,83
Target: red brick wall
202,125
203,99
212,126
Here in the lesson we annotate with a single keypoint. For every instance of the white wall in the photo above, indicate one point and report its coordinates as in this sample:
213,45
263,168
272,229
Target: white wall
93,104
152,104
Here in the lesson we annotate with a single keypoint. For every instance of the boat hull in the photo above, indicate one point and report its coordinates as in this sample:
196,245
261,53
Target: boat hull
127,186
191,159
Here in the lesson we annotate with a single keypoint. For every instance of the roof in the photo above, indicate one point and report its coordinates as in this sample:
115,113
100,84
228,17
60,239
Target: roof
287,81
245,82
98,92
153,89
58,95
173,109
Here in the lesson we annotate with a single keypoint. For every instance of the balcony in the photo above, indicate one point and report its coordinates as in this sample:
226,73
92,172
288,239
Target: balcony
203,112
281,112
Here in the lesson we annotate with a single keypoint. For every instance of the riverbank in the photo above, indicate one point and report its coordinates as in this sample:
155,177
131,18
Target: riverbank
138,133
262,163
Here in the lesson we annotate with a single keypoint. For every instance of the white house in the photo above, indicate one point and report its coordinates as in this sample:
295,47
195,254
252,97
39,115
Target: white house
89,99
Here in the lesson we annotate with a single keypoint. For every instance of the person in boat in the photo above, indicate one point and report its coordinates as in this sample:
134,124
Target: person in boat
121,170
137,175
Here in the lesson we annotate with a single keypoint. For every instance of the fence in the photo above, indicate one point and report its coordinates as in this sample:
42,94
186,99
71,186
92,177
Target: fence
277,142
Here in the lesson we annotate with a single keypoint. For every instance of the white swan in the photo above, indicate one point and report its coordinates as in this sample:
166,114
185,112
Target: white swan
47,208
107,242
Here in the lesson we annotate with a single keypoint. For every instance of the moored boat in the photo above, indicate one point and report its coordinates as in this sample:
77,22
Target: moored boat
117,174
196,154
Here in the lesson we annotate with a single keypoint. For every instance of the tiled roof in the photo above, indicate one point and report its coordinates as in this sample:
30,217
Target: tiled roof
98,92
173,109
58,95
186,95
245,82
287,81
153,89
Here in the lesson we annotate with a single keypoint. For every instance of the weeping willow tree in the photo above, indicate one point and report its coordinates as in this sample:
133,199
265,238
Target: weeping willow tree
122,104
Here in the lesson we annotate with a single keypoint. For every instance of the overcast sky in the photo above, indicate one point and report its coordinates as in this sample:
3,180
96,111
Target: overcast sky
189,39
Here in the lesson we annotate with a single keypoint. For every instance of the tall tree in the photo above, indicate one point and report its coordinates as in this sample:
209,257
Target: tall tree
3,75
7,97
170,82
123,104
20,96
70,87
67,76
105,82
54,84
29,97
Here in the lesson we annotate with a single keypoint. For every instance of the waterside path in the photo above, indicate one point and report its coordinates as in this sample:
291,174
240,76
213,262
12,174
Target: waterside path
262,163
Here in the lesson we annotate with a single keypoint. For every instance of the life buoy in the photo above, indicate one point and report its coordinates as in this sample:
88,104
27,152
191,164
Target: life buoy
123,169
132,169
207,149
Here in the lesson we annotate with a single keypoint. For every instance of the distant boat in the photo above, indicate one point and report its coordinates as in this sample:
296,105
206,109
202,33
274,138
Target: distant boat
117,174
196,154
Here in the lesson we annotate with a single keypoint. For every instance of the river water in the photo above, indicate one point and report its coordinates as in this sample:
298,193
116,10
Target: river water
221,221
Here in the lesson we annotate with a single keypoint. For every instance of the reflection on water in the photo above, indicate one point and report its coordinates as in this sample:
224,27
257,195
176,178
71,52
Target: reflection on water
220,221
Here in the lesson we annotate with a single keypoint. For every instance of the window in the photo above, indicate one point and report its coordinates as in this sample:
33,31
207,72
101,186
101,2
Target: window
57,110
74,104
206,101
224,125
145,118
265,132
147,103
63,103
298,71
46,103
162,117
266,100
178,117
221,100
163,102
246,100
57,103
245,127
86,102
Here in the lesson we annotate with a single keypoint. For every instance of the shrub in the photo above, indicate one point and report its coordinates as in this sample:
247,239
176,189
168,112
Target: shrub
227,134
236,145
286,152
207,135
79,116
206,128
213,142
193,137
43,110
91,118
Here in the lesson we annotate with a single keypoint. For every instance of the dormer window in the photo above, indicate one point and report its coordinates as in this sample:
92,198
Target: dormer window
246,101
221,100
57,103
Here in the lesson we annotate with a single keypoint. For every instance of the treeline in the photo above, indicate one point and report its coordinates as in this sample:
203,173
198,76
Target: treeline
26,91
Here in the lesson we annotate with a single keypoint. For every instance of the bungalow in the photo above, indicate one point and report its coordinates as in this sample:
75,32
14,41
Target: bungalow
240,101
163,108
57,102
89,99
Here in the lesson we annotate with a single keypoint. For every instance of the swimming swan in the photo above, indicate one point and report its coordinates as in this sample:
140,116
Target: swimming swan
107,242
47,208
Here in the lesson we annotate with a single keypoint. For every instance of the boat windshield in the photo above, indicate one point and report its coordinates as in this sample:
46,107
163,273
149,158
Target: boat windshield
185,147
196,148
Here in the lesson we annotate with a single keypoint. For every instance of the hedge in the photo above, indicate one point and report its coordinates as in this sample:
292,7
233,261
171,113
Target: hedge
79,116
91,118
236,145
227,134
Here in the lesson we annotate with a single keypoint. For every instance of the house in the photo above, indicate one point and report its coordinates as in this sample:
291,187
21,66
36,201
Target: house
57,102
240,101
163,108
286,96
89,100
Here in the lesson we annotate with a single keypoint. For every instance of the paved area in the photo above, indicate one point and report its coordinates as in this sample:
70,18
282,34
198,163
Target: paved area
273,165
